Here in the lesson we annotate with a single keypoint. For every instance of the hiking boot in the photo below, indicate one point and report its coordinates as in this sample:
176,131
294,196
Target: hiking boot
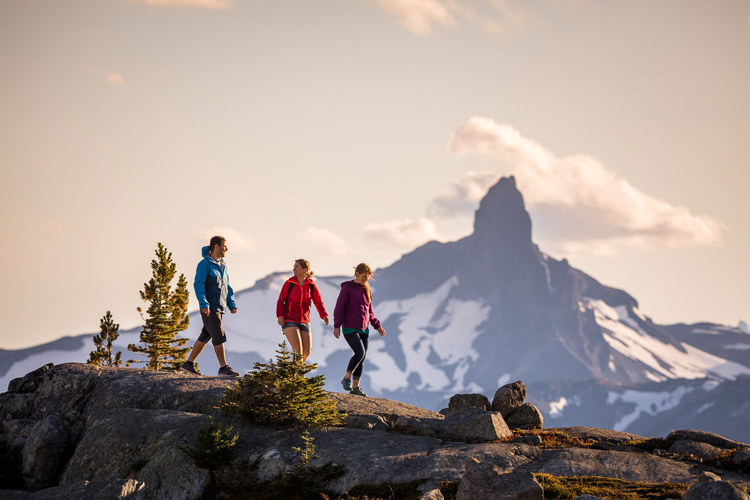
357,391
346,383
226,371
189,366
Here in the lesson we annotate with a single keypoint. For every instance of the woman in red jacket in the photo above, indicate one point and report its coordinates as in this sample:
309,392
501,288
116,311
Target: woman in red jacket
293,308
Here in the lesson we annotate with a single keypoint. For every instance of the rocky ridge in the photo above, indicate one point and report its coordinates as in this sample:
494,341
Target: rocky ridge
90,432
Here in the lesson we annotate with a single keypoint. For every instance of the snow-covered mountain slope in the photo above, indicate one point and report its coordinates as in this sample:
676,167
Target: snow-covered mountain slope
471,315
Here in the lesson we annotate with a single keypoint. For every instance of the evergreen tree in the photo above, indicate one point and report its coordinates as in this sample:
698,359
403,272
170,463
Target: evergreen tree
280,394
166,315
214,446
102,356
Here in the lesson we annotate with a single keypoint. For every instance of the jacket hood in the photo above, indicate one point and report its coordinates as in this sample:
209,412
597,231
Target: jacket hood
293,279
351,283
206,253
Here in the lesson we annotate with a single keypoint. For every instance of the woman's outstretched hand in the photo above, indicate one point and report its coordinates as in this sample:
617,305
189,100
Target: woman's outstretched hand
325,320
336,332
381,331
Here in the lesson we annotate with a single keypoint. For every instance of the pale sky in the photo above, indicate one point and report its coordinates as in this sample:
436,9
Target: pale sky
343,131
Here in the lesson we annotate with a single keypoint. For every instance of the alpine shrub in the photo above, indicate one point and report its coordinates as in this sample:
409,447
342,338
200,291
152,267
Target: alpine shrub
214,446
280,394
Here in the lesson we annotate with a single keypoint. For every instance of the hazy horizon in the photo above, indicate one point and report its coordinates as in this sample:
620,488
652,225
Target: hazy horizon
356,130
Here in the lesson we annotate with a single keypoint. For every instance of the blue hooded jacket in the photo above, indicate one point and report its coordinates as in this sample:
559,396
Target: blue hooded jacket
212,284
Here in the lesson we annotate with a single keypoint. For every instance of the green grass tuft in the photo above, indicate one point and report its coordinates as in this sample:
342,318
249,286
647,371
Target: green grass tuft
568,488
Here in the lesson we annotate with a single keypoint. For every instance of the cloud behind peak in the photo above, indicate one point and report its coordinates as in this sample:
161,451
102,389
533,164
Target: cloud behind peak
591,203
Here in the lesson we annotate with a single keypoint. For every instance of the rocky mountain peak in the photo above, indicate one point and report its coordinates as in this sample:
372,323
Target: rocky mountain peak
502,217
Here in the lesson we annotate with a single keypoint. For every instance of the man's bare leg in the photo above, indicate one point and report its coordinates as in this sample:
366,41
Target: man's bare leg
197,349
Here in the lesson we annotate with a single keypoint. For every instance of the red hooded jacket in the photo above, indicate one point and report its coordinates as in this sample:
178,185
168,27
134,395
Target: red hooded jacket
298,305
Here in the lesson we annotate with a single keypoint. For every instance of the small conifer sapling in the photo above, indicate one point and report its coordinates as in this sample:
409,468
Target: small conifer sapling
166,315
102,356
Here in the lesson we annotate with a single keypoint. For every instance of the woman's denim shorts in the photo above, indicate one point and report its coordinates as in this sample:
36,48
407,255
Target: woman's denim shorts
305,327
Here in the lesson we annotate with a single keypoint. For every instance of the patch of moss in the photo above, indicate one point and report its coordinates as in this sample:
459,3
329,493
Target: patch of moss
550,438
568,488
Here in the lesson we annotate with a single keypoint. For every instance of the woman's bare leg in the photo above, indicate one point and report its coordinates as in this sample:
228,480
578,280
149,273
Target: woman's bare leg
293,336
306,338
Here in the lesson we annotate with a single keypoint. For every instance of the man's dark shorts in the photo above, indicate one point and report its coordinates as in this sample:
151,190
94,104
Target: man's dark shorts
212,329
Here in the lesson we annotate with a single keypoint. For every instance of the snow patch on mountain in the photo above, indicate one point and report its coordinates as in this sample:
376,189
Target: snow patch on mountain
739,347
546,272
710,385
645,402
665,361
431,326
708,331
704,407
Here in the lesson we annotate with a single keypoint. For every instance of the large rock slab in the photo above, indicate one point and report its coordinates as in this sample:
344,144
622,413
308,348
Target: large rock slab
72,389
705,437
158,390
704,451
509,397
630,466
474,425
351,404
526,416
45,452
716,490
431,427
462,401
131,442
484,481
29,382
599,435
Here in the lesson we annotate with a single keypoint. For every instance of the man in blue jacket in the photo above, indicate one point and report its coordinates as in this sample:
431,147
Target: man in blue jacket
215,297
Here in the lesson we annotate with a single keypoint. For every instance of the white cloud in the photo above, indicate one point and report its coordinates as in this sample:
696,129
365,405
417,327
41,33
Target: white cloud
236,241
324,241
418,16
422,17
115,79
404,233
595,205
465,195
198,4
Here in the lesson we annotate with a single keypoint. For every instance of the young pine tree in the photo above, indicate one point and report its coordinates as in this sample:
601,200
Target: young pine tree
102,356
280,394
166,315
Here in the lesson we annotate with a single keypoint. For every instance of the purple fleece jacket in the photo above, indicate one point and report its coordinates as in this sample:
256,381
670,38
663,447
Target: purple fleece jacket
353,308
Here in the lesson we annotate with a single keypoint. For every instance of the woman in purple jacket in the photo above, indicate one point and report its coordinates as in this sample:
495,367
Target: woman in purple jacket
354,312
